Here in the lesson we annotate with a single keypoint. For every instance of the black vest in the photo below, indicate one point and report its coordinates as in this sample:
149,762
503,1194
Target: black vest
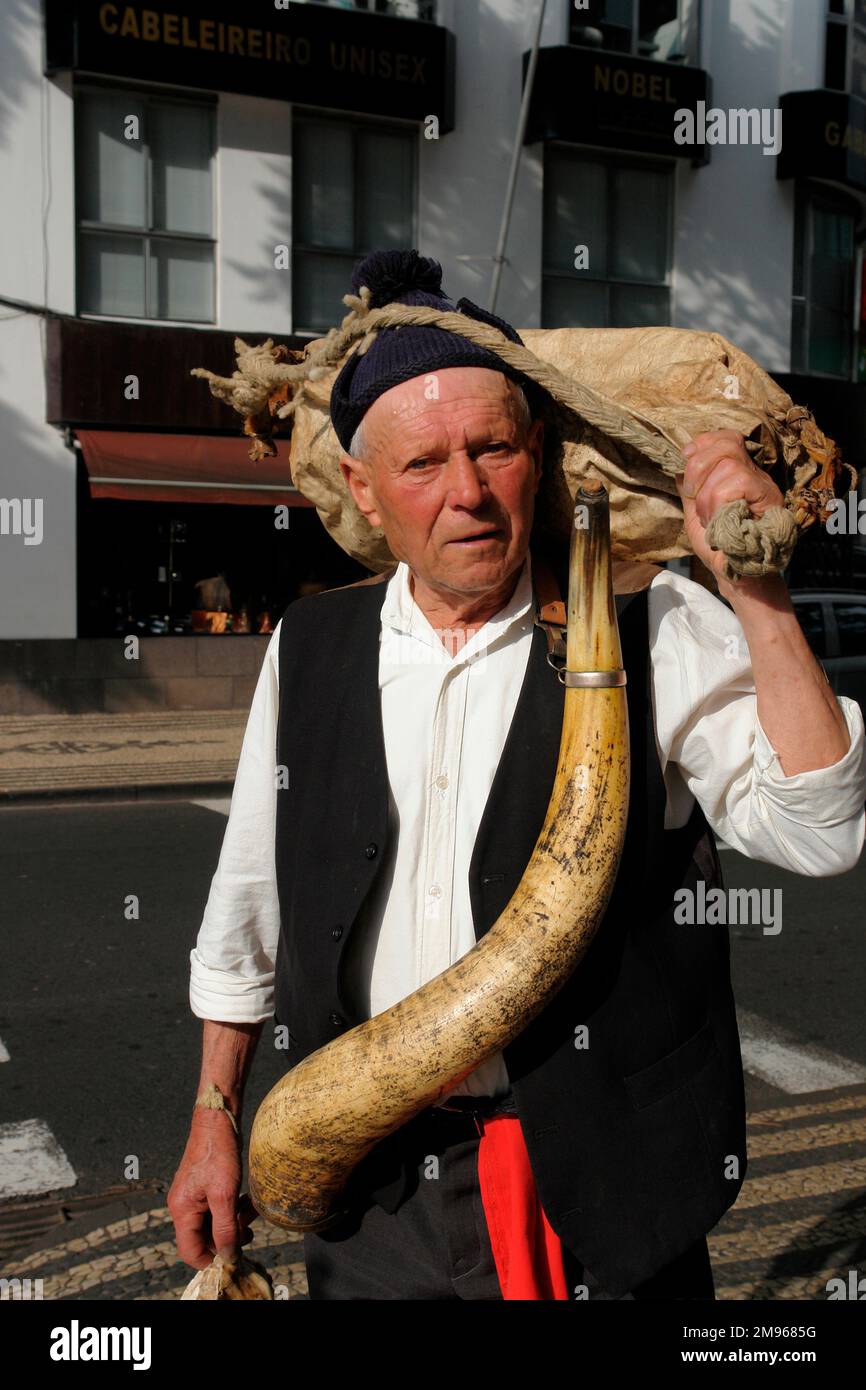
637,1140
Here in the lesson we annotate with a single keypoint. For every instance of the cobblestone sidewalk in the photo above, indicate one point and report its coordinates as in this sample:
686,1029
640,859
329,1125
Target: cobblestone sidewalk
95,752
800,1221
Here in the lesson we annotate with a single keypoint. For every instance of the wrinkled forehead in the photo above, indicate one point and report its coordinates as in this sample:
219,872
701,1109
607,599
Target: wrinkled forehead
452,392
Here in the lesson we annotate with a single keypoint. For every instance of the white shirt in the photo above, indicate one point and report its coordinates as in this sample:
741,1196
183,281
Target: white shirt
445,722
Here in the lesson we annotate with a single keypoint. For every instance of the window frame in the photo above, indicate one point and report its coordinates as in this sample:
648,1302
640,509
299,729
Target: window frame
808,194
633,50
615,160
146,96
356,125
369,7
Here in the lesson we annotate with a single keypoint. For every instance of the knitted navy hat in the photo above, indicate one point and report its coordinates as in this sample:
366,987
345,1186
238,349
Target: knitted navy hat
398,354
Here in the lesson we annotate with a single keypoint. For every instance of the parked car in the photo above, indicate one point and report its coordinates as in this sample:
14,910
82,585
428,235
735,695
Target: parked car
834,622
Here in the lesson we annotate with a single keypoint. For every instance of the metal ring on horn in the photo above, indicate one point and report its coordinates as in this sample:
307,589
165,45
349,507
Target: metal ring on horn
593,679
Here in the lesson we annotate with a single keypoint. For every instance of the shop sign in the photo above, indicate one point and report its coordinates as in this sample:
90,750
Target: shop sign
312,54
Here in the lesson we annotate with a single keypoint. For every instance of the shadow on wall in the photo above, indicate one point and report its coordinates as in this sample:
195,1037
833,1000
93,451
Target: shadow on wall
21,39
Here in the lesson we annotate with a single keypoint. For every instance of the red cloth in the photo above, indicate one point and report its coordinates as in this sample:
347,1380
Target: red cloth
527,1251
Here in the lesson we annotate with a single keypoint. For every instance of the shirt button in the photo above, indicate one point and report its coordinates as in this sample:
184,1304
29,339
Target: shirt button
336,933
336,1019
442,781
435,891
371,851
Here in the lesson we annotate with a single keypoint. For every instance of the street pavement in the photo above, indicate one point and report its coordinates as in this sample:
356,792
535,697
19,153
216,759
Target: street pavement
102,1059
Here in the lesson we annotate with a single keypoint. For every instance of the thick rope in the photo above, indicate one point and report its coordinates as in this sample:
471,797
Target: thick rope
753,546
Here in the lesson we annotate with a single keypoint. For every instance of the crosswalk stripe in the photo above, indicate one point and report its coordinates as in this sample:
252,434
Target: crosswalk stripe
31,1160
220,804
774,1055
4,1052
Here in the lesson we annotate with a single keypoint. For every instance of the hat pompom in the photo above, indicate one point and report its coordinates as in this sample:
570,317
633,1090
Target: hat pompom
389,275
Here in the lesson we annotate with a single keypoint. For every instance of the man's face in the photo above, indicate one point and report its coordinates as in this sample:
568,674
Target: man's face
440,471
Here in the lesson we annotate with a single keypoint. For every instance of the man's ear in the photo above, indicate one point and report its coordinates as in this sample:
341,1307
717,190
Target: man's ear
356,474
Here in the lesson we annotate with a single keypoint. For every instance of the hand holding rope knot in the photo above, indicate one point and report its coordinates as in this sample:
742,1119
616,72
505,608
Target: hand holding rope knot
719,471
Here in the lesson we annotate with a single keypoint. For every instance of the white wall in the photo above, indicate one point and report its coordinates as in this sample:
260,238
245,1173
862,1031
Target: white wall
37,582
733,249
463,176
254,192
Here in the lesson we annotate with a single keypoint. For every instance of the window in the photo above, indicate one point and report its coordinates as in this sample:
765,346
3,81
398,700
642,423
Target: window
822,319
401,9
664,30
845,47
144,206
354,192
620,211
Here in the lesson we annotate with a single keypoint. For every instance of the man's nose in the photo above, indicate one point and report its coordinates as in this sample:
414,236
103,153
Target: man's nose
464,482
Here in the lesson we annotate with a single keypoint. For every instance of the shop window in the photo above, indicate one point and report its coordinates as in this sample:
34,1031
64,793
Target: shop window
354,192
163,568
619,210
663,30
400,9
845,47
822,319
144,199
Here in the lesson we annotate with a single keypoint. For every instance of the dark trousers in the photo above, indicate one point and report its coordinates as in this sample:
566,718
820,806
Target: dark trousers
436,1244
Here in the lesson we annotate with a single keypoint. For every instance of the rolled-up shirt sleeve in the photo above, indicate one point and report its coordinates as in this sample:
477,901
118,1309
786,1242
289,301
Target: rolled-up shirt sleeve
714,749
232,962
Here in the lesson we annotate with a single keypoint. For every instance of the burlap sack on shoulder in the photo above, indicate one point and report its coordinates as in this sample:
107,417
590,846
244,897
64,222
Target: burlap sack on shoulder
620,404
680,380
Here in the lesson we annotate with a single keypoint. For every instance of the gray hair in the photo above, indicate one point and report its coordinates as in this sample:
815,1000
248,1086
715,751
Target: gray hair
358,446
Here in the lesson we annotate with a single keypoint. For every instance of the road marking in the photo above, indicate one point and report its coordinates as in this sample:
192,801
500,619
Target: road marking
220,804
4,1055
31,1160
774,1055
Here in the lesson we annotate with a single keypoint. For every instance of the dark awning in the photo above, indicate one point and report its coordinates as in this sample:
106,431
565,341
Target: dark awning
185,468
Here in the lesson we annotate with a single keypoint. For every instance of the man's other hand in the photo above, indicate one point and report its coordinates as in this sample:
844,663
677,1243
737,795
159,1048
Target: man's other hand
209,1213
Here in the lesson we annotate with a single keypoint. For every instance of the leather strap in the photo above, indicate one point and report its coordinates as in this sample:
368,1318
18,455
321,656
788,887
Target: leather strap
550,613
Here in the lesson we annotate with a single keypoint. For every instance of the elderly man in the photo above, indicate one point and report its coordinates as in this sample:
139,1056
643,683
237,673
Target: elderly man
419,722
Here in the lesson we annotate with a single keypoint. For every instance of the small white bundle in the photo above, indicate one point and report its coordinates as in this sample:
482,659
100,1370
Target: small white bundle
227,1279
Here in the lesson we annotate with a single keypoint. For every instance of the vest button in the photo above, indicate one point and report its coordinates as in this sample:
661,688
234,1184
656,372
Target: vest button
337,1020
371,851
336,933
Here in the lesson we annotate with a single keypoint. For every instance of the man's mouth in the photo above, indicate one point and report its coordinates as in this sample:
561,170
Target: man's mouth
477,537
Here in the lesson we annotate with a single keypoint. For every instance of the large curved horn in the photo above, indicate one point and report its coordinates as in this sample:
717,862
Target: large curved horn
319,1121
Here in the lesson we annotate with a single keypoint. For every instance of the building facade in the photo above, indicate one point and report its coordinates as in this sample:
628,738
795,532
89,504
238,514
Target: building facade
184,171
